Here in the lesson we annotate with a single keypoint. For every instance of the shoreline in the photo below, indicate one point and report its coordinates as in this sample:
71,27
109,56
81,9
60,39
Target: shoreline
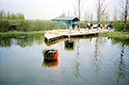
15,34
115,34
103,34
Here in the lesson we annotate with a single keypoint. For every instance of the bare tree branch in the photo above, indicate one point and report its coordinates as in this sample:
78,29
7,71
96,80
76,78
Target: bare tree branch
125,11
78,8
100,9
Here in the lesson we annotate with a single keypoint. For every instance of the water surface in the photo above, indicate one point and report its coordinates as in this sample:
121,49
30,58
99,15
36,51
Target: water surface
92,61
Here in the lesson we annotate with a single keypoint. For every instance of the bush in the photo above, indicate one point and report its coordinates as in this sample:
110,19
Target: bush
27,25
119,26
83,24
4,25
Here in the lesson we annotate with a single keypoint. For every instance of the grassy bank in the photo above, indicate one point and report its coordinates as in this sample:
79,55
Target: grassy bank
115,34
20,34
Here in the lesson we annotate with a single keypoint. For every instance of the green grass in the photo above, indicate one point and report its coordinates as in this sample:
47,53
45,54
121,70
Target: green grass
17,34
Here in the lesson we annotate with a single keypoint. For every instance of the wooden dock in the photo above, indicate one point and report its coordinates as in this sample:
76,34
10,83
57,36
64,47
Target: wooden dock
60,33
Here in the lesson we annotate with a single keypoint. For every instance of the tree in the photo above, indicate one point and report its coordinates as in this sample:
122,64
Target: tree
63,14
85,16
91,17
68,13
78,8
8,15
106,16
75,14
100,9
20,16
88,16
2,14
124,13
115,15
11,16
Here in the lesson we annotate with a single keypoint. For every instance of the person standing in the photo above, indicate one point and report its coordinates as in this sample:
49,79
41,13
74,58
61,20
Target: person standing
101,26
105,26
98,26
88,25
73,26
91,25
109,27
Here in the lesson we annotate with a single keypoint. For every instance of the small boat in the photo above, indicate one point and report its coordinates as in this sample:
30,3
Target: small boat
69,43
50,54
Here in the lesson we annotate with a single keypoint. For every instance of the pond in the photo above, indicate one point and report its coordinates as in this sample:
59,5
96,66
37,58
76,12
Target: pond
92,61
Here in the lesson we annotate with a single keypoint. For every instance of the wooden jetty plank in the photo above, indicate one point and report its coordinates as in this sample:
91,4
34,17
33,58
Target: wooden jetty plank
58,34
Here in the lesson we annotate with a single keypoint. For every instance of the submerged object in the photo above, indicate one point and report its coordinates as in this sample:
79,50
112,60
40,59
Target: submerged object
69,43
50,54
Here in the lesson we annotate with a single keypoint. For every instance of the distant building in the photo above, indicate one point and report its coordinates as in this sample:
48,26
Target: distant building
65,20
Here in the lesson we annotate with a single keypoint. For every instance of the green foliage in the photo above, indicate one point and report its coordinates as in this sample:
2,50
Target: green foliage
119,26
27,25
124,41
103,22
2,14
11,16
4,25
21,39
83,24
18,34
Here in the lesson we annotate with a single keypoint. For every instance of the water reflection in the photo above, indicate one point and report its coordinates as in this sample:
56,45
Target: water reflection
76,69
22,41
53,42
50,63
77,64
49,44
6,42
122,71
39,39
96,60
69,46
121,67
80,66
56,71
124,41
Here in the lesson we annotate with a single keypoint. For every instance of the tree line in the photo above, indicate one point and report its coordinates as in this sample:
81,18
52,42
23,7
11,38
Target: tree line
100,8
101,11
11,16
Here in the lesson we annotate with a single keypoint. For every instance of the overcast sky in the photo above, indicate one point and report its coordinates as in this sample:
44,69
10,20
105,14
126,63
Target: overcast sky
48,9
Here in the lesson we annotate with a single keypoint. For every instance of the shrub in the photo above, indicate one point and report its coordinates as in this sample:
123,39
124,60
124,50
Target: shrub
119,26
4,25
83,24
